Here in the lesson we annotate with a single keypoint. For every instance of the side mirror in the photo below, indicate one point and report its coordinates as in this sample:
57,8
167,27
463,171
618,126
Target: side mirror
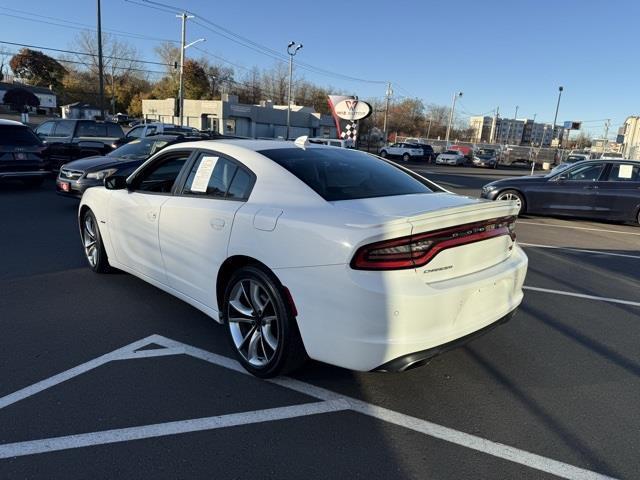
116,182
561,178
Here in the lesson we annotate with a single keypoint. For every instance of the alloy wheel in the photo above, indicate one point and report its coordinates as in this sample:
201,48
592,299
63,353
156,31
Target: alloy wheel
90,239
253,322
511,196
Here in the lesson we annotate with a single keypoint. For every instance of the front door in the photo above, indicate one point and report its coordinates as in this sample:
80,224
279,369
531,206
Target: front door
134,215
195,224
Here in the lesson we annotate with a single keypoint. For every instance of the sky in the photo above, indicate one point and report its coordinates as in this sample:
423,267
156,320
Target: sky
499,53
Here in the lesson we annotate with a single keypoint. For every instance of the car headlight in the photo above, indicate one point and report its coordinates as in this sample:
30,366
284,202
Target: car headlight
101,174
489,188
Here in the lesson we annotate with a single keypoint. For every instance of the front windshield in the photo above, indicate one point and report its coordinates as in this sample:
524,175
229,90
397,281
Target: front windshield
139,149
452,152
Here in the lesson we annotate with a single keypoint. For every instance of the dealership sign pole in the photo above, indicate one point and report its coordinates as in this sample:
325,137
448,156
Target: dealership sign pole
346,111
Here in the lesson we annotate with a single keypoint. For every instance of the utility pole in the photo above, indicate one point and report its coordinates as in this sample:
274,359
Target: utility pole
100,65
388,95
494,127
606,136
429,129
453,107
183,16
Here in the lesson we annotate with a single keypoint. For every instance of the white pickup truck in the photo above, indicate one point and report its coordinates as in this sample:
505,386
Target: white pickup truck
405,150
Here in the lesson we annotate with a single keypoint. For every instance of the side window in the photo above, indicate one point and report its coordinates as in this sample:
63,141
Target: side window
135,132
63,129
215,176
161,176
624,172
586,173
87,129
114,130
151,130
45,129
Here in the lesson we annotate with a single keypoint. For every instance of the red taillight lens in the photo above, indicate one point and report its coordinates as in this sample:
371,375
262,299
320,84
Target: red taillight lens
418,250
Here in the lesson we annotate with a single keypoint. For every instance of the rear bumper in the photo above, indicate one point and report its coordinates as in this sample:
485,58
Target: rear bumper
365,320
417,359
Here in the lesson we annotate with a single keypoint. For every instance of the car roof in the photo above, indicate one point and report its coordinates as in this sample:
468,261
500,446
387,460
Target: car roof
10,122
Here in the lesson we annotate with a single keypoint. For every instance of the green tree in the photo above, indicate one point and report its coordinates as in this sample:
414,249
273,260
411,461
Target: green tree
196,82
37,68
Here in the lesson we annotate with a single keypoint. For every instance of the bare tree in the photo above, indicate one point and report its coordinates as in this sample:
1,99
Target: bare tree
121,60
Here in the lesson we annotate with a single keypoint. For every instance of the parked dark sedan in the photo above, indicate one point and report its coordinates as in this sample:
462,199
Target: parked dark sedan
23,156
599,189
75,177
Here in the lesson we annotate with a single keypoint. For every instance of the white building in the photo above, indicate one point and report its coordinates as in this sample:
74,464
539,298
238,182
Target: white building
227,116
78,110
48,99
631,132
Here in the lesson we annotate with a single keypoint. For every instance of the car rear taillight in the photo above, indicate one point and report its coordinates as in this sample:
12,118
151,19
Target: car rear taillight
417,250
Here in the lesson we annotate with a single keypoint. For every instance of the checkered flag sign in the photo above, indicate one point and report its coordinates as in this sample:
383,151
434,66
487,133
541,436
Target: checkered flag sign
350,131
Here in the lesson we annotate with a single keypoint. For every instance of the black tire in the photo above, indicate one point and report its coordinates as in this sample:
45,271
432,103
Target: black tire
383,154
33,182
289,353
92,243
406,157
517,196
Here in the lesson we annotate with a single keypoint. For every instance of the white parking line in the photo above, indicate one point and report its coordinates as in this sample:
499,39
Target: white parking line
330,402
582,295
581,250
523,222
19,449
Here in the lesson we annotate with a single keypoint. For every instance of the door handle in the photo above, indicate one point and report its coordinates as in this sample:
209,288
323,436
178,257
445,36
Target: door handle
217,223
152,216
591,187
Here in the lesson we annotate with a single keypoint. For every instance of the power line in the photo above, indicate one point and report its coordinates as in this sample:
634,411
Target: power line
248,43
78,26
60,50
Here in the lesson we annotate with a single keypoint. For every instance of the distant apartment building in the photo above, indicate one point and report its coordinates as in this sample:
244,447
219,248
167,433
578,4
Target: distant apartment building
512,131
631,132
482,127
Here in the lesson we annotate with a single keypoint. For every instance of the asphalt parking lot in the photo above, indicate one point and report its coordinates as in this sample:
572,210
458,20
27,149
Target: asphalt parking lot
105,376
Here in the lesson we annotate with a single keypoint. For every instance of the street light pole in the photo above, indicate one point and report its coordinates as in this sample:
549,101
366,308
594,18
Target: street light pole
555,118
100,65
453,107
292,49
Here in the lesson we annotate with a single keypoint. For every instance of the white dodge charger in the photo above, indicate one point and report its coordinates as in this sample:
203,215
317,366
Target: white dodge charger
306,250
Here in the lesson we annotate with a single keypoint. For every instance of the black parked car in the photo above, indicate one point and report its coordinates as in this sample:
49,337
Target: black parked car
75,177
599,189
23,156
72,139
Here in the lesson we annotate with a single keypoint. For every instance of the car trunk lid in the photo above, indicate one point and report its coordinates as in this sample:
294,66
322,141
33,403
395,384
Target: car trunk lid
462,235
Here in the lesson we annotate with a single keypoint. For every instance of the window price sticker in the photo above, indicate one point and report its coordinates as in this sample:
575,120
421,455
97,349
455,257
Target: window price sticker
203,174
626,171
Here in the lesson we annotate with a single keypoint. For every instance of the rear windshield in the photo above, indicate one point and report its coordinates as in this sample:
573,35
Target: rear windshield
19,136
342,174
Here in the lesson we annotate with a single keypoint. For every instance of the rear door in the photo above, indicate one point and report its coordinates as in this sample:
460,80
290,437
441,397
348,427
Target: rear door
619,192
574,192
59,141
195,225
134,214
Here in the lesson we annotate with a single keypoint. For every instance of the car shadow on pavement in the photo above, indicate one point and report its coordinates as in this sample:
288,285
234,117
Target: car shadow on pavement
544,416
